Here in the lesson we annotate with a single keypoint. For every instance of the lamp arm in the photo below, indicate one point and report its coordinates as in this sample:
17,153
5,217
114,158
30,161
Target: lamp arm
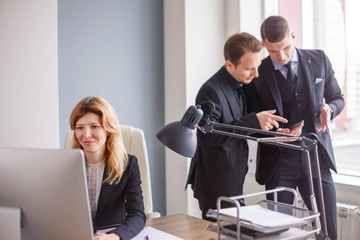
208,127
277,139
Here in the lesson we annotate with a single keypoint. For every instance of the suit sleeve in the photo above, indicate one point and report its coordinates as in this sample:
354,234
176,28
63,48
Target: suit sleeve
134,206
216,113
332,93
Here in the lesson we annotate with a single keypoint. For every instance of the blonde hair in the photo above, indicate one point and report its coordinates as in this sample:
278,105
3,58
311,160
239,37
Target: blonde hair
115,153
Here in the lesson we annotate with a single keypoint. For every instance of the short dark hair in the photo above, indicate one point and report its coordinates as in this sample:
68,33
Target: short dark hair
239,44
274,29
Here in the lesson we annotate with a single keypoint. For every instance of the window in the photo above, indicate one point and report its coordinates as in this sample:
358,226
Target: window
332,25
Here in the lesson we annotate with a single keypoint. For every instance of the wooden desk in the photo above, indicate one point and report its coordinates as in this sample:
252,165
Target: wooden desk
183,226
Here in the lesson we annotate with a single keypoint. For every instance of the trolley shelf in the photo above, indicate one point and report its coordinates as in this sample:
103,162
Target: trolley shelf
266,220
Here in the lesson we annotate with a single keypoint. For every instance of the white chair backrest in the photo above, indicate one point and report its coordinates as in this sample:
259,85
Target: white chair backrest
134,141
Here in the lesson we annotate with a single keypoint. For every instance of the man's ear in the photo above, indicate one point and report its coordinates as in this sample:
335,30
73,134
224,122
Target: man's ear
229,64
262,42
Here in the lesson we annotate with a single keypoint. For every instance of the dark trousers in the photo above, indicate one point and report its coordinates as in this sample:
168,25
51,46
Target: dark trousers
292,172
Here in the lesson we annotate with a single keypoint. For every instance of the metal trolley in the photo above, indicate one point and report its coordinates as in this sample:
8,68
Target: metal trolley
266,220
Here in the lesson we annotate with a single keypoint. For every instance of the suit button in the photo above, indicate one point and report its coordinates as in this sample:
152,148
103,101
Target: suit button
296,94
299,105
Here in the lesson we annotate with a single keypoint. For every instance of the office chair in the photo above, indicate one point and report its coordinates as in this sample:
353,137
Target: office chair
134,141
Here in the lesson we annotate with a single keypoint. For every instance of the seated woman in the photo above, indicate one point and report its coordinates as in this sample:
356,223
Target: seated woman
113,175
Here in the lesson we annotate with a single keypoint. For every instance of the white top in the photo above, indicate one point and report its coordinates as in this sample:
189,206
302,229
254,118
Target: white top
94,173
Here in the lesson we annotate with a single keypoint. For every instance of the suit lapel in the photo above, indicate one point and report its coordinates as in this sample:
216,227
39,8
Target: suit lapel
231,98
271,82
306,70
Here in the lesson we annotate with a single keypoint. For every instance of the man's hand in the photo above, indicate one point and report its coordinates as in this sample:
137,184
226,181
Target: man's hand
325,117
268,120
283,130
295,131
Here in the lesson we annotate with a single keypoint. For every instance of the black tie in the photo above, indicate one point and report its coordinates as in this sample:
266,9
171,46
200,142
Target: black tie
290,74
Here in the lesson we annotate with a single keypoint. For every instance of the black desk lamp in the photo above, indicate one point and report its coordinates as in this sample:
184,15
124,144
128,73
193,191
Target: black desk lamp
180,137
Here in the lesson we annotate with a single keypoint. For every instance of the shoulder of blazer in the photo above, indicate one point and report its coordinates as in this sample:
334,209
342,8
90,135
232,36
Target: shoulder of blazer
310,53
132,162
217,79
265,72
131,166
218,84
266,62
213,83
266,65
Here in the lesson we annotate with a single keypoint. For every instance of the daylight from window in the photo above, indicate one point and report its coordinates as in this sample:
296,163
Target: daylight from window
332,25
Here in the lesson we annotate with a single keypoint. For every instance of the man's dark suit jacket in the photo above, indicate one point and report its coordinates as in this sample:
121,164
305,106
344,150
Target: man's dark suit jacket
220,163
263,94
122,203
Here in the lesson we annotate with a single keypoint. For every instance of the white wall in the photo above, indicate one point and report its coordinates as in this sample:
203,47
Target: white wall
204,40
194,35
174,100
28,74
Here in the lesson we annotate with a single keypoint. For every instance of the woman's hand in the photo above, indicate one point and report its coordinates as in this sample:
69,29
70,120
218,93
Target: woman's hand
105,236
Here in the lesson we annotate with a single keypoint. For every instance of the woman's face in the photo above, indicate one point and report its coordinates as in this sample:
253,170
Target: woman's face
90,134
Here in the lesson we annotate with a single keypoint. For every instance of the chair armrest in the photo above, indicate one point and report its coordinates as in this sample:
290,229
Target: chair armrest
153,215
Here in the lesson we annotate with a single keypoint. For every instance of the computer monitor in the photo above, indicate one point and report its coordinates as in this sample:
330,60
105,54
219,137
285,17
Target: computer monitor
49,186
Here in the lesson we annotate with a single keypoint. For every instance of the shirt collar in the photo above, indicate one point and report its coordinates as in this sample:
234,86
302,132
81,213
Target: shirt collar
294,58
233,82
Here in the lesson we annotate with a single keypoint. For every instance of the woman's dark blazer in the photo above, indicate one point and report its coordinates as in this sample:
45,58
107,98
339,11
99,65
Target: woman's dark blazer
122,203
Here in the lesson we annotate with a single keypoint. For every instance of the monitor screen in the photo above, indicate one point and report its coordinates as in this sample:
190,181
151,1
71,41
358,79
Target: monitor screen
49,186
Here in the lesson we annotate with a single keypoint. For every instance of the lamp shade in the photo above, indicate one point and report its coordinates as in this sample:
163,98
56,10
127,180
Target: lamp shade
180,136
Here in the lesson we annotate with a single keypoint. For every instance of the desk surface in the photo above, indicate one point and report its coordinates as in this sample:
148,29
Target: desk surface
183,226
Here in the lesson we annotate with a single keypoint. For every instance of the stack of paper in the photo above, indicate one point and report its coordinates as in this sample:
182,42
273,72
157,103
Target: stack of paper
150,233
262,219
